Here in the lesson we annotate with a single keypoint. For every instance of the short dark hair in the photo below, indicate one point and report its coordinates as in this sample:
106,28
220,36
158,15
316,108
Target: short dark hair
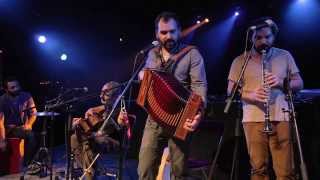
261,23
9,79
166,16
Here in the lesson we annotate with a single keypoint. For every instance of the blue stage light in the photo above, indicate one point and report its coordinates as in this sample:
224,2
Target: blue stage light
236,13
301,20
63,57
42,39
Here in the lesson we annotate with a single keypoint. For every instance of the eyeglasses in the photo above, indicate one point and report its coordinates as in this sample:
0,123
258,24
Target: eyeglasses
106,93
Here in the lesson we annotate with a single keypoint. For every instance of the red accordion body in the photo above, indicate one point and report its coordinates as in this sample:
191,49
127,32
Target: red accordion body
167,101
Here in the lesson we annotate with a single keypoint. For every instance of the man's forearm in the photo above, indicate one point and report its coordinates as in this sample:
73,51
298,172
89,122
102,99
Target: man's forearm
2,128
245,96
29,122
2,133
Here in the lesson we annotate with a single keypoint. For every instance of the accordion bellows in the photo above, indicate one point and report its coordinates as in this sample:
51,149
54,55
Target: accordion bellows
167,101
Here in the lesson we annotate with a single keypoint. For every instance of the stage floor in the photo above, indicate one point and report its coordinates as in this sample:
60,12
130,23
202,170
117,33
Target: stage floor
108,165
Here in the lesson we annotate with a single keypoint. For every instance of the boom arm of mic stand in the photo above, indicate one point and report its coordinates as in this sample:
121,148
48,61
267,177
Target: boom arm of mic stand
114,107
120,95
236,86
70,101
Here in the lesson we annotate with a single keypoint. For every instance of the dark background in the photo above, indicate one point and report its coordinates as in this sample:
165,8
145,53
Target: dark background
89,32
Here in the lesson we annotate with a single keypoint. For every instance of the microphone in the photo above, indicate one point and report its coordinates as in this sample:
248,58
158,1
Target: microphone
47,82
267,22
83,89
136,81
152,45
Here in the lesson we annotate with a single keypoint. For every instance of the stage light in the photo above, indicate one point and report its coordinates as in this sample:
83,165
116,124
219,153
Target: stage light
301,20
120,39
206,20
216,38
63,57
236,13
42,39
198,21
303,16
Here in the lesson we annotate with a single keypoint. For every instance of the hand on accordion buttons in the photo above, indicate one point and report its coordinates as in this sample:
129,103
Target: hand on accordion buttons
192,124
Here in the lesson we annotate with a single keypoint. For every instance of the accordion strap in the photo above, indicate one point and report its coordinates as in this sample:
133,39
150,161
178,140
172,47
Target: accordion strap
182,52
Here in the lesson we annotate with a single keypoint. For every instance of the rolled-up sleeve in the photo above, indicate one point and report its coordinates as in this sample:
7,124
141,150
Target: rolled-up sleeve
293,68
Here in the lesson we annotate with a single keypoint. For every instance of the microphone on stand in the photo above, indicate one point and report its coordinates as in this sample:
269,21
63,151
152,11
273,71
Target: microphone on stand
83,89
149,47
265,23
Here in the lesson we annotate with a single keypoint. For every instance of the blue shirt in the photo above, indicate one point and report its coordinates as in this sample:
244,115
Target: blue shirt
12,108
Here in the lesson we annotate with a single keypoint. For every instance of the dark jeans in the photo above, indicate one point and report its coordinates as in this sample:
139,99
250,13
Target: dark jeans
29,142
154,140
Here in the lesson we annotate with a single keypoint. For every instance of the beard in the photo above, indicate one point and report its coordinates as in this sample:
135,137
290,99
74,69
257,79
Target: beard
13,94
262,47
105,102
108,101
170,45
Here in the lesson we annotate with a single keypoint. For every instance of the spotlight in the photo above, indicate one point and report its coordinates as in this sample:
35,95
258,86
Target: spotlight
63,57
236,13
206,20
120,39
42,39
198,21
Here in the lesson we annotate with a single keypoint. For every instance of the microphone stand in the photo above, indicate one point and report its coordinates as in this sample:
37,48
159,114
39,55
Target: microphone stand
292,118
236,88
115,104
1,72
68,104
133,71
235,94
68,128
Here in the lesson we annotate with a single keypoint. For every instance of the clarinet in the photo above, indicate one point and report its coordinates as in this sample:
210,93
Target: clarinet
267,125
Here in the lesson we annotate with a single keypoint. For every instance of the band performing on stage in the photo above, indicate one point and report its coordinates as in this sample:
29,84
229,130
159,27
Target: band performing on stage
169,86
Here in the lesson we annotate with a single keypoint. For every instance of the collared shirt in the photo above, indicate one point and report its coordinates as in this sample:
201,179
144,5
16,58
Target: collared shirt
189,70
279,62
